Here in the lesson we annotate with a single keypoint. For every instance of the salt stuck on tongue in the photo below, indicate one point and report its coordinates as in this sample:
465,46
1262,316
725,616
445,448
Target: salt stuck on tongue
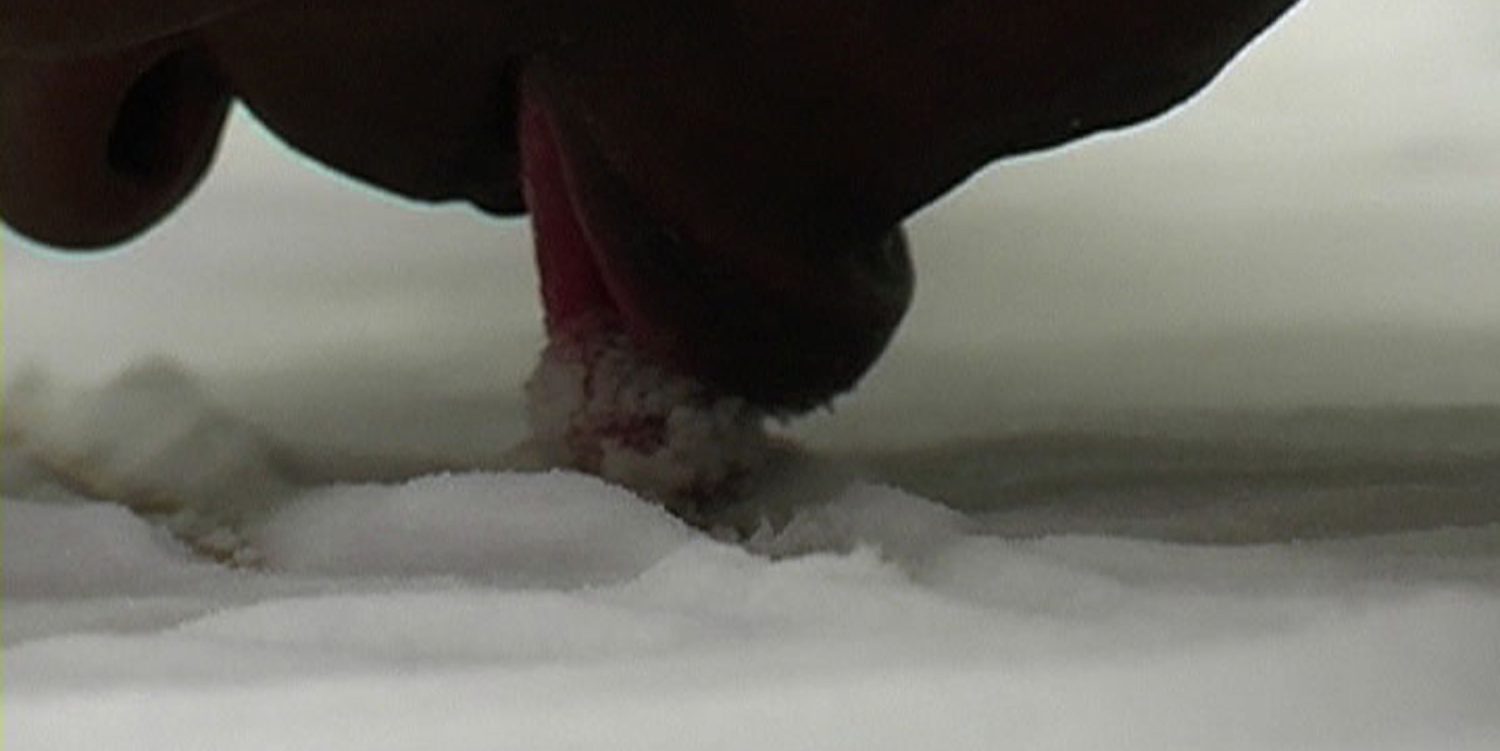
596,404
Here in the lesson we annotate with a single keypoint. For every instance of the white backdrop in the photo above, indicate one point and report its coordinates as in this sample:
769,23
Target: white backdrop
1318,228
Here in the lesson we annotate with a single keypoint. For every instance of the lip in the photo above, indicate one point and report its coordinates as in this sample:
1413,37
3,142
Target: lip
785,327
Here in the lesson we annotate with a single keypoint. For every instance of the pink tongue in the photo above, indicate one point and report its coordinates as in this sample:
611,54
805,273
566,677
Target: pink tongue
573,293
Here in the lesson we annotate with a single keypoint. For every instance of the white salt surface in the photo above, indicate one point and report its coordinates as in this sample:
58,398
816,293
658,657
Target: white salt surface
1104,518
486,610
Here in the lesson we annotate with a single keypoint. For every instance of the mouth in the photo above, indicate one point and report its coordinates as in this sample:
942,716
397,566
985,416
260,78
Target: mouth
783,326
784,313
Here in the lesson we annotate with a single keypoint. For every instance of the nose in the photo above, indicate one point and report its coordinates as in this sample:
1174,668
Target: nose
95,150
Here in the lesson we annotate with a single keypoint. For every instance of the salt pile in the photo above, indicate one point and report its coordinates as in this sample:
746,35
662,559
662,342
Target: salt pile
152,440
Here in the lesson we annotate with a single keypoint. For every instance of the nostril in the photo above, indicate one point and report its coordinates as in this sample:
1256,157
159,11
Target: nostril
151,136
95,150
886,264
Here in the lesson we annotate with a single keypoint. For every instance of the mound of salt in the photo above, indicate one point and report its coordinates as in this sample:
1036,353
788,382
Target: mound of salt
155,441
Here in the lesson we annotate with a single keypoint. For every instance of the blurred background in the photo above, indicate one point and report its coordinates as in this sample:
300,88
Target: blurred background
1320,228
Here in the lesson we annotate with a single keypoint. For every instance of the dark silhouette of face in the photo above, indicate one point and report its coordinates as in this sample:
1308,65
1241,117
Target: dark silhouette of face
739,168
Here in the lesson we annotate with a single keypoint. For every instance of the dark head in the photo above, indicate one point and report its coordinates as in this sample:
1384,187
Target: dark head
739,168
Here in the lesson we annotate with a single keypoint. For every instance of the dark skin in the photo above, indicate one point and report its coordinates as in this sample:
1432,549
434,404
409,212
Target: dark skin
743,165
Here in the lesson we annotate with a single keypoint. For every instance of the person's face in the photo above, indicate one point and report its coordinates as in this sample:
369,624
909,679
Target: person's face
742,165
